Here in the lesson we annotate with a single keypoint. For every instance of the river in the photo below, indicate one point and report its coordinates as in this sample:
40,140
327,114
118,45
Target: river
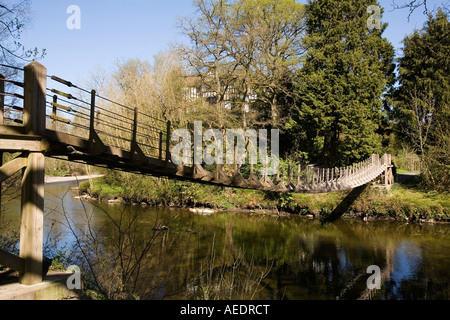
165,253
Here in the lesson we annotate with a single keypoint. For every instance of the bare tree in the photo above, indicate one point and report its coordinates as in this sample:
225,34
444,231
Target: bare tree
272,32
14,16
413,5
114,257
209,58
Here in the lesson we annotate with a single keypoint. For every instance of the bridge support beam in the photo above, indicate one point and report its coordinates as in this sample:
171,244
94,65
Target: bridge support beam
33,181
2,107
2,99
32,220
32,163
388,175
345,204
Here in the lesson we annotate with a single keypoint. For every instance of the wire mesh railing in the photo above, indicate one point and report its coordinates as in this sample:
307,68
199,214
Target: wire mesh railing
116,124
82,113
11,95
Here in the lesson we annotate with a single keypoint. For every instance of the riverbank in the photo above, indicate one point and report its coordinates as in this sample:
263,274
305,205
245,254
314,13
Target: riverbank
404,202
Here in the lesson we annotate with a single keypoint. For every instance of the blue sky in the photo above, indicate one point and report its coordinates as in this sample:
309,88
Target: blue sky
114,30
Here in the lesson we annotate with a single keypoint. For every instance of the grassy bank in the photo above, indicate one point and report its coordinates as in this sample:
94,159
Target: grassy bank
406,201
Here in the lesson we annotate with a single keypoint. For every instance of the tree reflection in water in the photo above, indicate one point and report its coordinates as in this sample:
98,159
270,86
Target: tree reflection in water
249,256
244,256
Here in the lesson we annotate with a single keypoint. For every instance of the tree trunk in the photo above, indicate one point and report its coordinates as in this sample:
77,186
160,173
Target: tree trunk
333,146
330,146
326,148
274,111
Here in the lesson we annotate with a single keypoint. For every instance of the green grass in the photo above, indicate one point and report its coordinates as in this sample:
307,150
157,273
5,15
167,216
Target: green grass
404,201
102,190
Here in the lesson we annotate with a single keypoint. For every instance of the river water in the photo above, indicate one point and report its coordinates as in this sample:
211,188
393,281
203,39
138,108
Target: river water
177,254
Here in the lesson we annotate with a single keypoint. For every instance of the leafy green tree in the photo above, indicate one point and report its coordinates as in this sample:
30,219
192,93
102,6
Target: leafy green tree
247,49
347,68
269,40
421,106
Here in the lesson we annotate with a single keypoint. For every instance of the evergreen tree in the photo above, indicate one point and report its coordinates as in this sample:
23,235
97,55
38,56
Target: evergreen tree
346,70
422,109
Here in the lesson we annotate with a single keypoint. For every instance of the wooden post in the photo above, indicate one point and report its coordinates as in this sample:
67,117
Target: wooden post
2,112
32,215
386,172
97,116
168,142
278,173
307,174
1,164
343,174
2,99
391,171
315,172
265,171
32,220
160,145
96,145
92,120
35,90
134,135
55,100
291,175
347,174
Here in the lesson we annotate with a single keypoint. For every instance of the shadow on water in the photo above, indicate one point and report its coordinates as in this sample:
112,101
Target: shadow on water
248,255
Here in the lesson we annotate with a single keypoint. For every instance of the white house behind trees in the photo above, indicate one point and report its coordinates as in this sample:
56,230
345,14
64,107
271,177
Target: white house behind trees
196,90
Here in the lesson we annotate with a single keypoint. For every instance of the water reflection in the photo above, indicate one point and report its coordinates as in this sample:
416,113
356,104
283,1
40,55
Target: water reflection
251,256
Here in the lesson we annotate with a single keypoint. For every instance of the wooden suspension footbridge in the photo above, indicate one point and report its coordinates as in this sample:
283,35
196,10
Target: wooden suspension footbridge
37,121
